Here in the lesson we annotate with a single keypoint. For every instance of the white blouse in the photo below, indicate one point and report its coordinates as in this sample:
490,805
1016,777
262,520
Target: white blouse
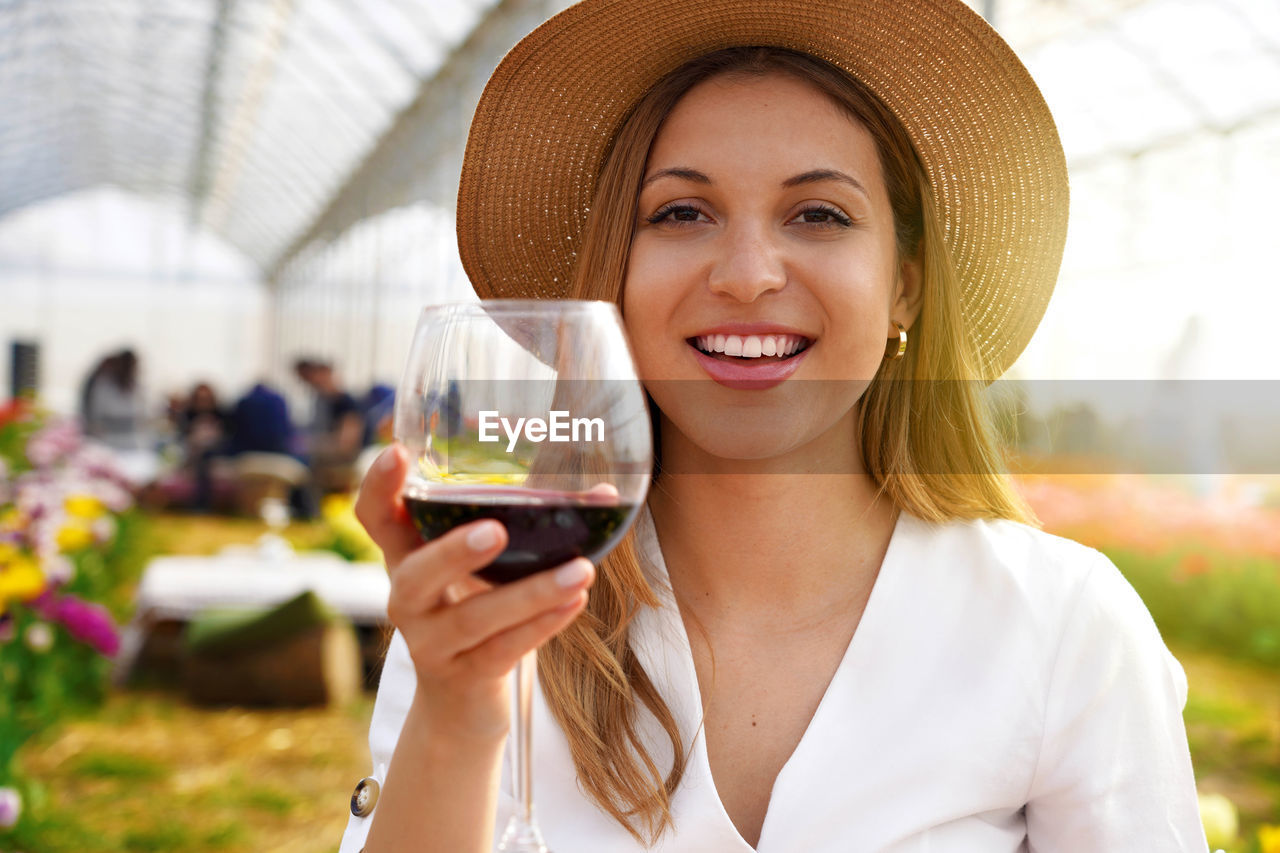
1006,690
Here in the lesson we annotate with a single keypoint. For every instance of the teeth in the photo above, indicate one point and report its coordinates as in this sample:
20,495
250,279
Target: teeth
750,346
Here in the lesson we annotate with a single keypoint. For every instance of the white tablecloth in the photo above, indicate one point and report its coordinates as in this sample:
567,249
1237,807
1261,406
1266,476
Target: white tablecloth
178,588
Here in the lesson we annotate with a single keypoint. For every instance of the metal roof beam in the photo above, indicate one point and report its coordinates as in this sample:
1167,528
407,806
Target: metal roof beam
201,163
419,158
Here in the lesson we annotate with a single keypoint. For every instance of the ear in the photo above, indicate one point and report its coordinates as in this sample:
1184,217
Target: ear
908,291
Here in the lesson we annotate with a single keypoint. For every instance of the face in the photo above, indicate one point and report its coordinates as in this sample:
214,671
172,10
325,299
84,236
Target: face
764,275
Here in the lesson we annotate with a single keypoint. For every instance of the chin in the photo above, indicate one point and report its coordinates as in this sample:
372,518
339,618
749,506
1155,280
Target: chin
760,439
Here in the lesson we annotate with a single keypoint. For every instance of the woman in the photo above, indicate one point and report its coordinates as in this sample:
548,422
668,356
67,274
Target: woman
868,649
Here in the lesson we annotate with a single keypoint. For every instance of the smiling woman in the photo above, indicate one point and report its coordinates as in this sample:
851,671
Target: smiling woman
835,626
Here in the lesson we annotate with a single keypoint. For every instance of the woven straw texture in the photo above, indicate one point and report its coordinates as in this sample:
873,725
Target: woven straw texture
977,119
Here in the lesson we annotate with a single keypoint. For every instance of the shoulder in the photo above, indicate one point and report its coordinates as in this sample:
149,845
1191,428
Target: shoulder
1000,555
1013,581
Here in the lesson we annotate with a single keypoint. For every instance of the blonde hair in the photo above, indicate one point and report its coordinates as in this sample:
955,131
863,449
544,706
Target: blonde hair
928,445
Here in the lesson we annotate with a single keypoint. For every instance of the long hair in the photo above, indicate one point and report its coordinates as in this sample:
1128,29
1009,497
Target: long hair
924,433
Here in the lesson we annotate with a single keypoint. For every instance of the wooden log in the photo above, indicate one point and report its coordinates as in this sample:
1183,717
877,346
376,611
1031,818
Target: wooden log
321,665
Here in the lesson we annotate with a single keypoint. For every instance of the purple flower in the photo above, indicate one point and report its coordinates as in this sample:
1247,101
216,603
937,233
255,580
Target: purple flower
53,443
96,462
88,623
10,807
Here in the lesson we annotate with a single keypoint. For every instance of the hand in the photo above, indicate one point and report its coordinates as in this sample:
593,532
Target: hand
463,634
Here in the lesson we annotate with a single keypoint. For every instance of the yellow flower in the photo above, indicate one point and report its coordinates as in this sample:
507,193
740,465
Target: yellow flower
83,506
20,580
73,537
334,506
11,519
339,514
1221,824
1269,839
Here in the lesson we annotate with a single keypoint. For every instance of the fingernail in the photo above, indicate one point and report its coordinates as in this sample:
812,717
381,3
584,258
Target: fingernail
572,574
483,537
387,460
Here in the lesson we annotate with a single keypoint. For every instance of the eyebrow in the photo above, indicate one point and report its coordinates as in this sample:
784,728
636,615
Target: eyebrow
677,172
811,177
817,175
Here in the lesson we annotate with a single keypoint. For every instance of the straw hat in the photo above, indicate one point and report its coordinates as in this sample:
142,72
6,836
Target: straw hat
978,121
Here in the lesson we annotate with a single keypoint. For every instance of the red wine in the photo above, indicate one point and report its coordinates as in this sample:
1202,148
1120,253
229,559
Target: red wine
544,528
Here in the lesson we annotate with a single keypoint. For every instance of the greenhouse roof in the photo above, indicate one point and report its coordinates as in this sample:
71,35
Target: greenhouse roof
254,110
264,114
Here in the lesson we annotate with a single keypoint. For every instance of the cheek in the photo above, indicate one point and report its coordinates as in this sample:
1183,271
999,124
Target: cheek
642,319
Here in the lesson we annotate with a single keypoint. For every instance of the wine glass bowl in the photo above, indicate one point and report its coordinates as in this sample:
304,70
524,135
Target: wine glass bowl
528,412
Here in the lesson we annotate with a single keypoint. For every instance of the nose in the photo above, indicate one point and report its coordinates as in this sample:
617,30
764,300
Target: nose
749,264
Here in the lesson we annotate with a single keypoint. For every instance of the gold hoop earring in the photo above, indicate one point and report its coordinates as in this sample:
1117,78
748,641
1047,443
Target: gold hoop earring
895,350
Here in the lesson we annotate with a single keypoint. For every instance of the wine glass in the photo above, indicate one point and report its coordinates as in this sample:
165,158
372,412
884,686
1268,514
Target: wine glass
528,412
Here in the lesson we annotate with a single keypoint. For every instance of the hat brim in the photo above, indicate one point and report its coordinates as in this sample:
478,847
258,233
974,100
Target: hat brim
979,123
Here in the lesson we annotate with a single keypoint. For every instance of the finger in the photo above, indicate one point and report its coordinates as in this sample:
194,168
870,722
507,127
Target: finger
419,580
601,493
380,509
480,617
498,655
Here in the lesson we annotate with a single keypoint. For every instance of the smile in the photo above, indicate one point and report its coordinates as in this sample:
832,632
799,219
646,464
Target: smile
750,362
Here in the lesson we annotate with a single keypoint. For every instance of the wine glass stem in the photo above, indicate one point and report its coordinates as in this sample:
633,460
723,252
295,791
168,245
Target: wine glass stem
525,670
522,834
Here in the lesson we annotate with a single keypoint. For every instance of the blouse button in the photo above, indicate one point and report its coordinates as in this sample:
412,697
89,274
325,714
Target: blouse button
365,797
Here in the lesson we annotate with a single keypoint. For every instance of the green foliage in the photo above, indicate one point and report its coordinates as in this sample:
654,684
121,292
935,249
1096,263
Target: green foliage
39,687
118,765
1210,600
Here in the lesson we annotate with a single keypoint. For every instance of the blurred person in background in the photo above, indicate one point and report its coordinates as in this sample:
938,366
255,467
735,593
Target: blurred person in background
111,403
200,420
113,411
203,429
377,406
336,434
260,423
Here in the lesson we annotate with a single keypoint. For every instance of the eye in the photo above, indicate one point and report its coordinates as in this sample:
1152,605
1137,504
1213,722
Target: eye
823,215
677,212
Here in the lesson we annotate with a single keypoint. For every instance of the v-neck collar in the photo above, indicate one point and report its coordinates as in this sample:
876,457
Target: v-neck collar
663,647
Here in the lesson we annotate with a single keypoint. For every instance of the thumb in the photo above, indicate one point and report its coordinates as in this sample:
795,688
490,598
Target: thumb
380,509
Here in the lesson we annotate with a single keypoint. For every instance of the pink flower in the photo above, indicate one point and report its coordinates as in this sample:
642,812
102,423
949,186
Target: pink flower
103,529
58,569
38,637
88,623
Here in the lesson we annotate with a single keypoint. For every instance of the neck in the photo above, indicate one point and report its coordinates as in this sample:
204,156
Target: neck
755,543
